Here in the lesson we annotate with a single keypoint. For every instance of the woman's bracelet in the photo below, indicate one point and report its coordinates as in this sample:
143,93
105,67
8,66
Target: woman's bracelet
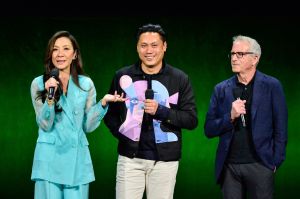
50,101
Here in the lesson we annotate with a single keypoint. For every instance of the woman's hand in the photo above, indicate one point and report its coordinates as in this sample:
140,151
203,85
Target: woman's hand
112,98
51,82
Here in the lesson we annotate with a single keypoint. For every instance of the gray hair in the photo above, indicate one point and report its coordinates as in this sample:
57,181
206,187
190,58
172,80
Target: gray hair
253,44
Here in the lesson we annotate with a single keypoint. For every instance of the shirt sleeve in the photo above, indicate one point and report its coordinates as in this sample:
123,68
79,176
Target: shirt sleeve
45,114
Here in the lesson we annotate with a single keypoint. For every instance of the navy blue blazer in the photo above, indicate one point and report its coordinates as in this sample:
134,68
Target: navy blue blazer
268,118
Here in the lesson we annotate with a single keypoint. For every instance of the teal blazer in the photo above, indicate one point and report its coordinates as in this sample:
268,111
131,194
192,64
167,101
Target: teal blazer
62,154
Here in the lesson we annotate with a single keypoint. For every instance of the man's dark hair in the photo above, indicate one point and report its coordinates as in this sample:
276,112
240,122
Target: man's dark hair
151,28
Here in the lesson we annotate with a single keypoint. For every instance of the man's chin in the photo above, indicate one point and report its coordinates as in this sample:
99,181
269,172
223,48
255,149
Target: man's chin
150,65
235,70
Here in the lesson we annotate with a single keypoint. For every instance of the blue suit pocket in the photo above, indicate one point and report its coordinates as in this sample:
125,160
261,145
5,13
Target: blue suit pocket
45,148
85,150
43,138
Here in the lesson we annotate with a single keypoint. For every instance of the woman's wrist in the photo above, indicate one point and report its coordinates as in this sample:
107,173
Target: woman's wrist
103,103
50,101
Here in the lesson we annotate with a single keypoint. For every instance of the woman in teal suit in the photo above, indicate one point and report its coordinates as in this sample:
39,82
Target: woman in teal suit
62,166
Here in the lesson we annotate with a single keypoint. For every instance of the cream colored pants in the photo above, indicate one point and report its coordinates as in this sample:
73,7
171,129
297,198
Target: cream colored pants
134,175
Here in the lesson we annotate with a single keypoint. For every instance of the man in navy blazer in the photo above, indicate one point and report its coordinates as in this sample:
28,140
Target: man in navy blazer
248,113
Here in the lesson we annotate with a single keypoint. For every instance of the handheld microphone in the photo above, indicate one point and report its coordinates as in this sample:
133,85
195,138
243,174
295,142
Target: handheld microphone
53,73
149,94
237,93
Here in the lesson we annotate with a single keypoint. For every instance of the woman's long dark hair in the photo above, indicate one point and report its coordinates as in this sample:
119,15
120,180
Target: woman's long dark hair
75,70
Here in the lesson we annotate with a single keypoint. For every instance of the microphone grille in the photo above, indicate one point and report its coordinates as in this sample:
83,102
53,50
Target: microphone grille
54,73
237,92
149,94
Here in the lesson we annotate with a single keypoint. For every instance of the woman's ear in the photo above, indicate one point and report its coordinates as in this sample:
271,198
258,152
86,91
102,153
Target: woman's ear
75,55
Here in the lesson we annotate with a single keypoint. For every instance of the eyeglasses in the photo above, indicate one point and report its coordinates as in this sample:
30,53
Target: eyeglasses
239,54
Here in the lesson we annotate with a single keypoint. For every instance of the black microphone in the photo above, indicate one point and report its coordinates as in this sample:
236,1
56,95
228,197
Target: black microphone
237,93
53,73
149,94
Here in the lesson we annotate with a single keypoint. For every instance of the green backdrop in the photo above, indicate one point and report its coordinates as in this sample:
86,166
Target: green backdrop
197,45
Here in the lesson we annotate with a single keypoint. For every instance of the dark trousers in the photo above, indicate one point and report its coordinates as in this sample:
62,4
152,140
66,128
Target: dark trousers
242,180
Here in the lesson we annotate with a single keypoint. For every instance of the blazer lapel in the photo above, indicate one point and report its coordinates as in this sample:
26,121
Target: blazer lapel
66,103
229,90
63,102
258,91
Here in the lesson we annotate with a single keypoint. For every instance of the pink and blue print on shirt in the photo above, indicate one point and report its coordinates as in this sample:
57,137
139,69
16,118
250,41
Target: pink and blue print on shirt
135,92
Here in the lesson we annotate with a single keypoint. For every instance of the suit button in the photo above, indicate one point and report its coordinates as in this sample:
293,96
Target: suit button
48,114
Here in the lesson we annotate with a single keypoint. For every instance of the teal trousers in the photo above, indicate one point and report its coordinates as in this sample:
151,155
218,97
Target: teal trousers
48,190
